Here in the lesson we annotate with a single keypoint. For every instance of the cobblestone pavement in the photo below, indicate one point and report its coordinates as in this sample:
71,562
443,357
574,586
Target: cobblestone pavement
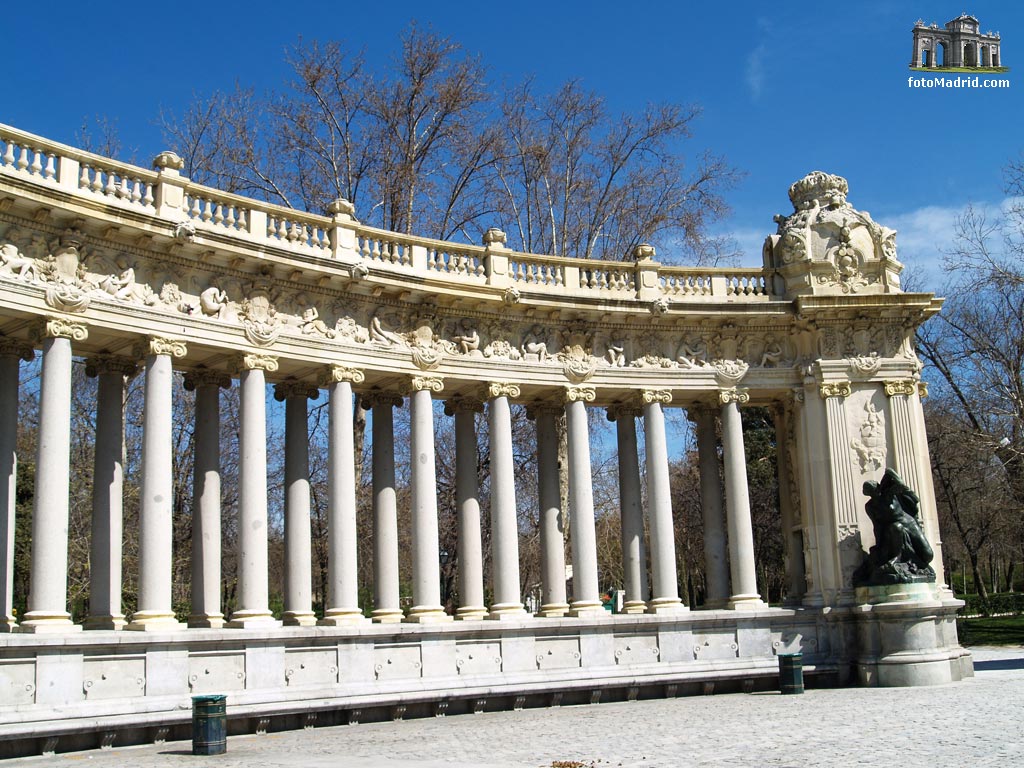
974,723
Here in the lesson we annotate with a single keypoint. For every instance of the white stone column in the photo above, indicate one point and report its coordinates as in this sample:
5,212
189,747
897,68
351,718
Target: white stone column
631,510
10,353
107,493
665,586
789,503
48,589
298,548
716,558
156,514
508,602
206,513
426,561
846,494
253,592
554,602
342,572
737,504
586,591
911,459
386,607
467,504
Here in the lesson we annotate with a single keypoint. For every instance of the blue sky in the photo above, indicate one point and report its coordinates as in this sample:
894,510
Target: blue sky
786,88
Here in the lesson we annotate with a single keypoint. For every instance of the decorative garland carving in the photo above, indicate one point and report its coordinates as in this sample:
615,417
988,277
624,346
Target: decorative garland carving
729,372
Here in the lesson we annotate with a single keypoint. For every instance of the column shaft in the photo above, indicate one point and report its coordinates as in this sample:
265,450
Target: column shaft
426,575
342,572
634,555
206,533
554,601
156,515
586,596
665,587
716,560
253,595
47,599
467,503
385,518
107,503
8,476
298,551
741,533
504,520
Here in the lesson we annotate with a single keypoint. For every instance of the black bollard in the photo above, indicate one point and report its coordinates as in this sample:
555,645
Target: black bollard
791,673
209,725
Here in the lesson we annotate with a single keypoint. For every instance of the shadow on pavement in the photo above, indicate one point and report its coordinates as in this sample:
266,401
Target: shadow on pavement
994,665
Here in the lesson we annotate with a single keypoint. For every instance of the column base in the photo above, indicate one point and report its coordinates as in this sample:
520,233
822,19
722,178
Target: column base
508,612
152,621
386,616
342,618
587,609
299,619
252,620
553,610
471,613
423,614
666,605
115,622
634,606
746,603
41,623
206,621
8,624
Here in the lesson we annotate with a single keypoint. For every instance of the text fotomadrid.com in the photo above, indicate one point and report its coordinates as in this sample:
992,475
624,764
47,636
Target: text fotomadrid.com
957,82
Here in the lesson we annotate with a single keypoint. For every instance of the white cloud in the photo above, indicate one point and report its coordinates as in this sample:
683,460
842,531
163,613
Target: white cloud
755,70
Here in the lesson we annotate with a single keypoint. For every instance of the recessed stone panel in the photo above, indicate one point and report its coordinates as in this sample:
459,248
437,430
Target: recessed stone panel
637,649
17,683
114,677
216,672
715,646
478,658
397,662
558,652
311,666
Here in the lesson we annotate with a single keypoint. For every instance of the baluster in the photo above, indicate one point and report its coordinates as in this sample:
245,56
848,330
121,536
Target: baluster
36,166
83,176
197,208
9,154
51,167
207,210
97,181
136,193
147,198
23,159
271,227
375,253
243,223
110,188
218,215
123,191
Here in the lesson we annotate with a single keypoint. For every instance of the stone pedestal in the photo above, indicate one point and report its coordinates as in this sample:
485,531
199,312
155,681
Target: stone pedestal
906,635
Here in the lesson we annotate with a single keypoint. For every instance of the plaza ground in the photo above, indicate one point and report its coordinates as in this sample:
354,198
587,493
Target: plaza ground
976,722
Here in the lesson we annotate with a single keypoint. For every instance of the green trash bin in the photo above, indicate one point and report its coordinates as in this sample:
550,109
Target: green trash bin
791,672
209,725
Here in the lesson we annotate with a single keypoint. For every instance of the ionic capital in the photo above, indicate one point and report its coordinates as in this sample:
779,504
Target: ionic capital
656,396
339,373
429,383
15,348
160,345
835,389
544,408
799,396
378,397
623,411
62,328
922,389
462,403
501,389
206,377
580,394
290,388
255,361
115,364
733,395
900,387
